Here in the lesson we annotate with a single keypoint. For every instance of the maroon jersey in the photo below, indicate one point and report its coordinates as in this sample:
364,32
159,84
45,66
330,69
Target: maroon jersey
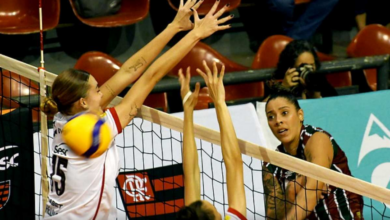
339,203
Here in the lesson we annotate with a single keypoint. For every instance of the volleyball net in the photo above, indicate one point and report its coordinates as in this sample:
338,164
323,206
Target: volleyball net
150,182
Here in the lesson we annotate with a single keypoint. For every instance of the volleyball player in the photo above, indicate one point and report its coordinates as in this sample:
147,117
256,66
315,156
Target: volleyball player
290,195
83,188
195,208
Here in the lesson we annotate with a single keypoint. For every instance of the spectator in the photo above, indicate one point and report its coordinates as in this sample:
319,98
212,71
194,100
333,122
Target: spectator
373,12
295,54
282,17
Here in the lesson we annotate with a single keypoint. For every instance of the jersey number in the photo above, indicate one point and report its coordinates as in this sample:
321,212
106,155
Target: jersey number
58,176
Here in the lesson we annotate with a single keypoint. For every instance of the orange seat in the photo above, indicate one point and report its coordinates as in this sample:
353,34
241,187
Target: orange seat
207,4
102,66
268,56
132,11
195,58
13,86
298,2
372,40
22,16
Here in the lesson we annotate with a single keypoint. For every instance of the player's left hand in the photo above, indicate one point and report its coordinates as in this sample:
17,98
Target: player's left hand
182,18
213,82
189,99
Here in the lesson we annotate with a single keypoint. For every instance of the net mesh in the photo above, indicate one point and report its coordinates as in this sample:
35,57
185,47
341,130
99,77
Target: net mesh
150,181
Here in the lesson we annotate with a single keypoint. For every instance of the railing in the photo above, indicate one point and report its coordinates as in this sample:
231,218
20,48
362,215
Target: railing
172,85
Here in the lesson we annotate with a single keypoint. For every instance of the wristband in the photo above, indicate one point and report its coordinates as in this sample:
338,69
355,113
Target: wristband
186,96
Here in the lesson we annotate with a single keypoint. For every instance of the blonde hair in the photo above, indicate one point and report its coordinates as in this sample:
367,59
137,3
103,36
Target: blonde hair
68,87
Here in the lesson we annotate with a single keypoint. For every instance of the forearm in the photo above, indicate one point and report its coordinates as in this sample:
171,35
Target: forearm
144,57
275,199
133,68
172,57
160,68
190,160
305,203
229,142
361,20
190,154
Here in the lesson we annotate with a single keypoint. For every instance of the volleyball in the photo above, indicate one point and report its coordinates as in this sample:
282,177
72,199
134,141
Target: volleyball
87,135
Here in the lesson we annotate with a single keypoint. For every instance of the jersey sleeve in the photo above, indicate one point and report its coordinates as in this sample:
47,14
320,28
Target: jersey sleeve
233,214
112,119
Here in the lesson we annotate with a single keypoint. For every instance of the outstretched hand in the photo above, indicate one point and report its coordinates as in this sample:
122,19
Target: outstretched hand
182,18
213,82
210,23
189,99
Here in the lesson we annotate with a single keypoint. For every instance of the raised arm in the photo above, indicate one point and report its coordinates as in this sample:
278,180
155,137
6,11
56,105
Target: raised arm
230,150
318,150
190,153
136,65
133,100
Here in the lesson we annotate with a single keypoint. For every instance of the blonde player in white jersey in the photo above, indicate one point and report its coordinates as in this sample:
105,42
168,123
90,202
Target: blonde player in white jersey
194,207
83,188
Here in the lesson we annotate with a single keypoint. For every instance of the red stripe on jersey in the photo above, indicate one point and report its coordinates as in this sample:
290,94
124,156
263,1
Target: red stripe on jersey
236,213
116,119
101,191
168,183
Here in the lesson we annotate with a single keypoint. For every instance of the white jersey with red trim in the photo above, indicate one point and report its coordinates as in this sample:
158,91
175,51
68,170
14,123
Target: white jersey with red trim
76,181
233,214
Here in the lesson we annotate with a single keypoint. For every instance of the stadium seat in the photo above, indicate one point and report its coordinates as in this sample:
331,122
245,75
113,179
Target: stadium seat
269,51
12,86
22,16
102,66
372,40
233,92
268,56
207,4
132,11
298,2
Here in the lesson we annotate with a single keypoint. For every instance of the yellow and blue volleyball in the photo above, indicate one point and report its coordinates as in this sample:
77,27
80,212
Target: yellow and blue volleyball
87,135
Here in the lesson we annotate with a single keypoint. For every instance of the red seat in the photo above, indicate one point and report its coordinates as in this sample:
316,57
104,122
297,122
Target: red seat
102,66
268,56
132,11
372,40
195,58
207,4
298,2
22,16
13,85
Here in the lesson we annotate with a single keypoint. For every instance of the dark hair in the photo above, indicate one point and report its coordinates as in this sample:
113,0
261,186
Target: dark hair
67,88
281,92
195,211
290,54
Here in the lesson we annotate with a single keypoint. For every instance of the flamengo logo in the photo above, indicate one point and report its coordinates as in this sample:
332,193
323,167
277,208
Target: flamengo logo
380,175
8,161
136,186
5,192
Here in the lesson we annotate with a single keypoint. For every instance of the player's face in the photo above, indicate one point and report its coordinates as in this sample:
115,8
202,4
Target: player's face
284,120
307,58
209,206
94,96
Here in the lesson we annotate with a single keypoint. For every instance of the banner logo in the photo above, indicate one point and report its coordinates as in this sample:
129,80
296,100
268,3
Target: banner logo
5,192
376,136
8,158
136,186
152,194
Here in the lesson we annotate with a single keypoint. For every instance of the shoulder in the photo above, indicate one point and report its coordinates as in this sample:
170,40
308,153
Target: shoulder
111,117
